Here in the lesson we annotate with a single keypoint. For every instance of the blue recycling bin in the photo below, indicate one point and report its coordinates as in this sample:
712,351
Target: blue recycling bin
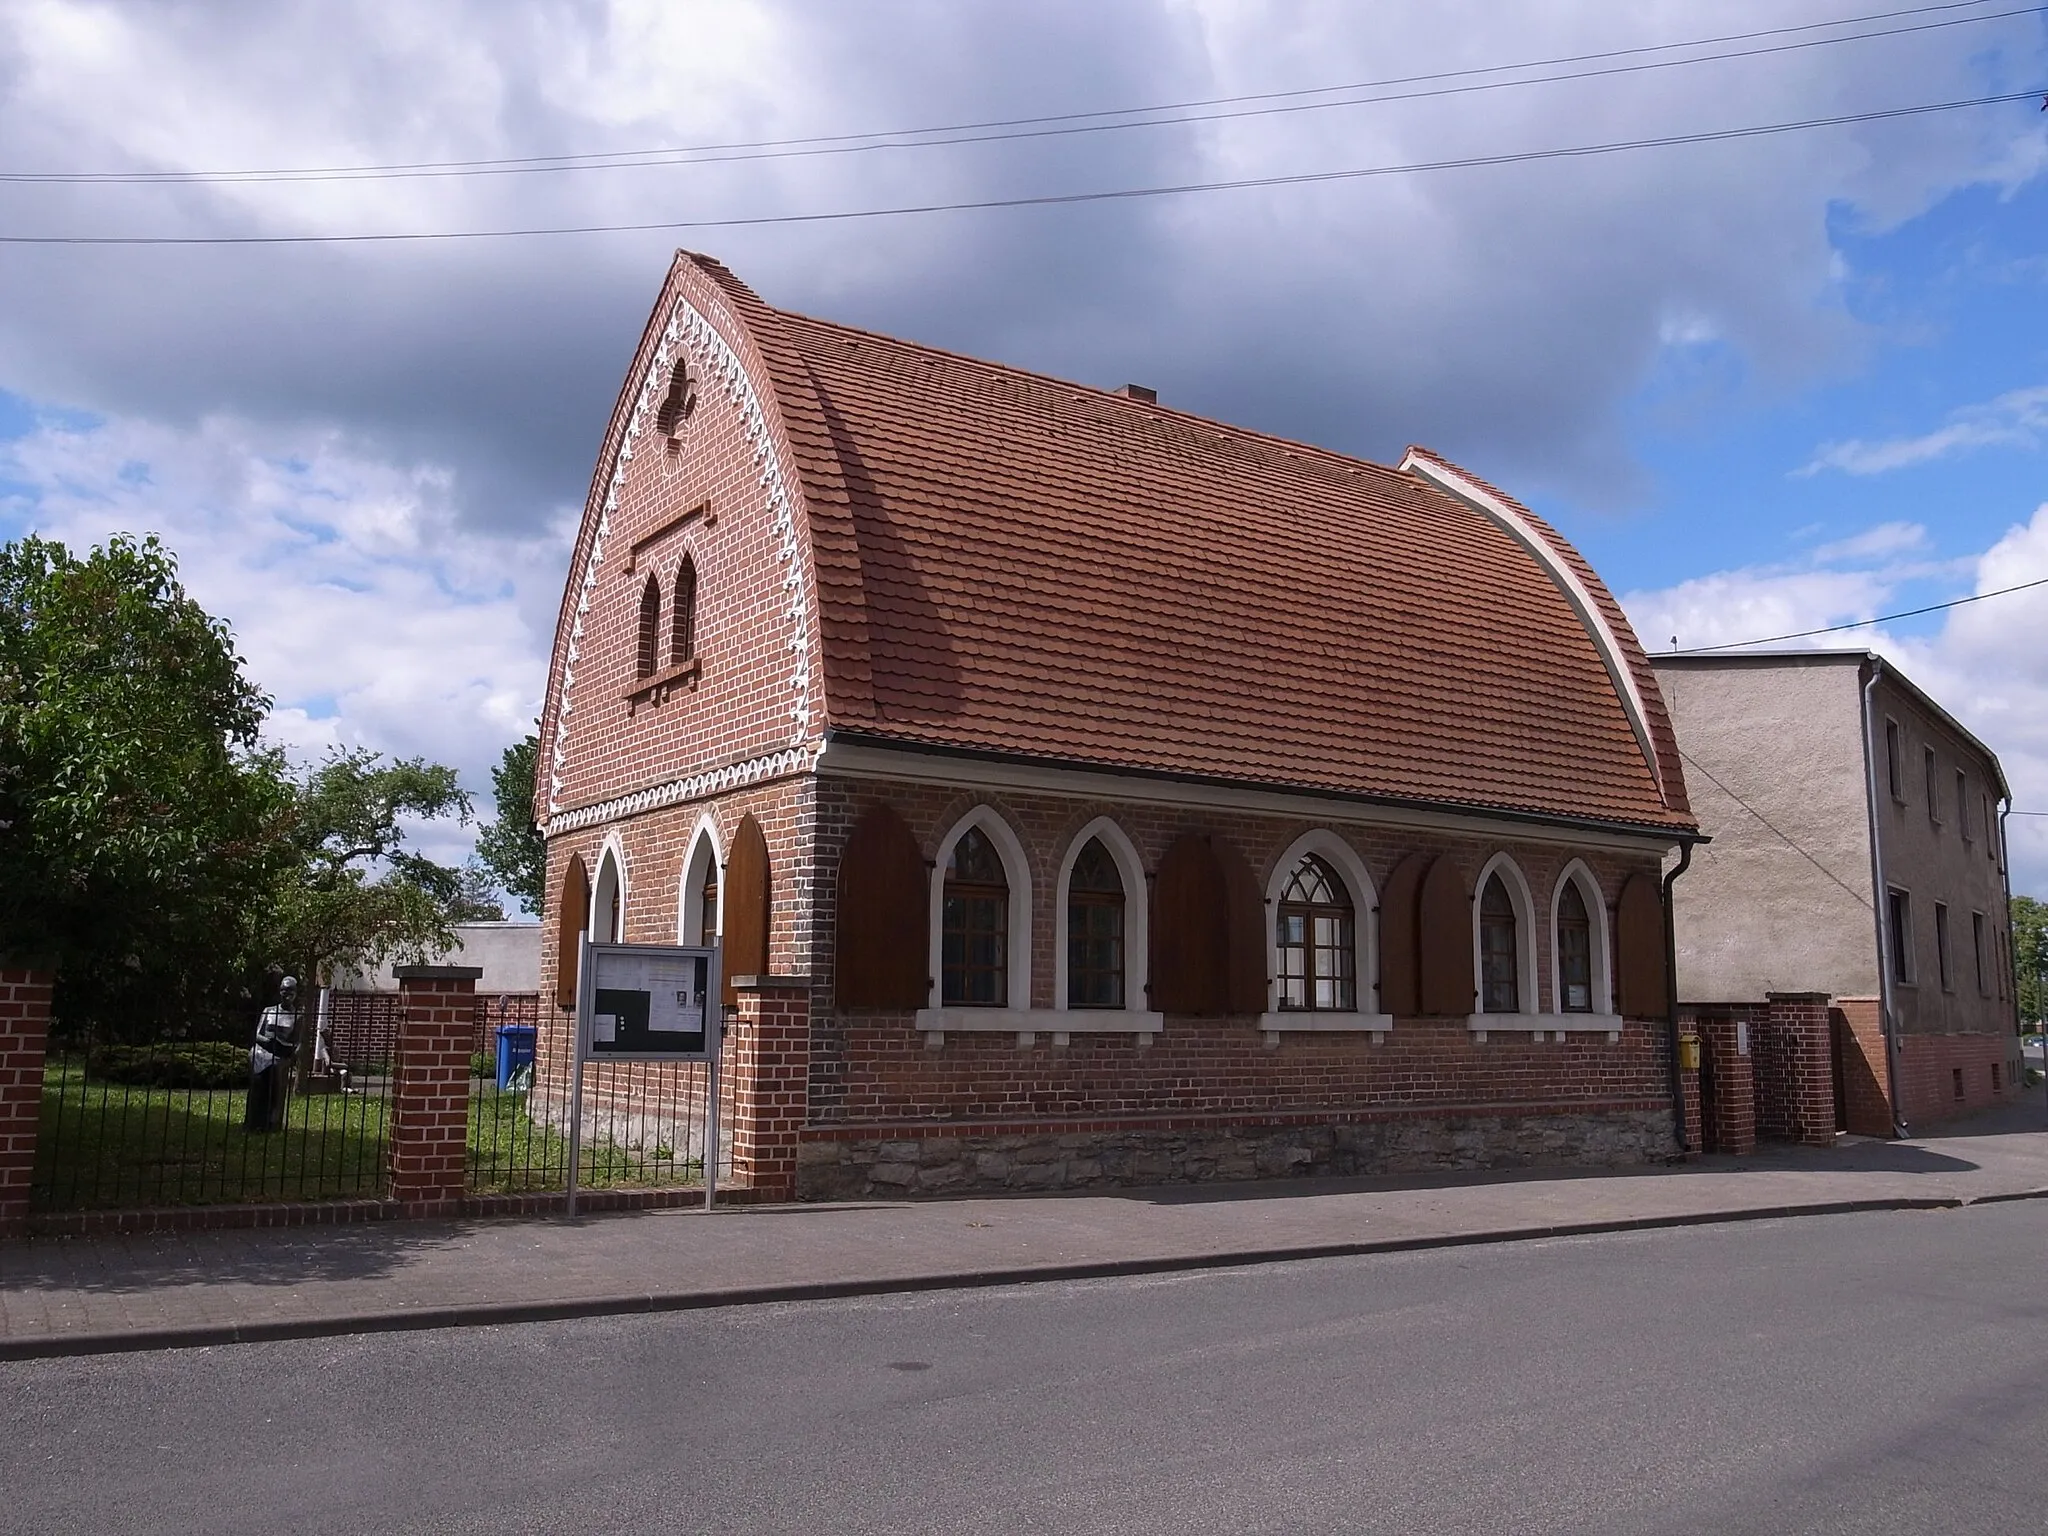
515,1050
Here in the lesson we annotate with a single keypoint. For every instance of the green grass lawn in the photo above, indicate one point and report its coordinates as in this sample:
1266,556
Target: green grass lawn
110,1146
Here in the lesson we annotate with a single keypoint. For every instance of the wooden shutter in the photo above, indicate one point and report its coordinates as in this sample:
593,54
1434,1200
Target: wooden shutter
572,913
743,905
1244,931
882,951
1639,949
1443,921
1190,937
1400,960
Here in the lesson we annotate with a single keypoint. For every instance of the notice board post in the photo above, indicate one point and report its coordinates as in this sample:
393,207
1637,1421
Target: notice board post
647,1002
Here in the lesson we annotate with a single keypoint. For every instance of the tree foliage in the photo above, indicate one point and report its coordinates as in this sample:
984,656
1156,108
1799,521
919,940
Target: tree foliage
354,891
136,816
511,848
2030,955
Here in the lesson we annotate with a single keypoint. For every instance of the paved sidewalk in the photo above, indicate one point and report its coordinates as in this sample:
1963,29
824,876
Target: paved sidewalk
63,1295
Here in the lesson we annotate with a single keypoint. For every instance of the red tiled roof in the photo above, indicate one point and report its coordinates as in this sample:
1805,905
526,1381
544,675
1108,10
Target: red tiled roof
1015,564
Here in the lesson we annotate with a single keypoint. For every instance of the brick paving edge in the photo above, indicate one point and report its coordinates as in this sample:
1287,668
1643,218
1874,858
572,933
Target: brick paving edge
490,1314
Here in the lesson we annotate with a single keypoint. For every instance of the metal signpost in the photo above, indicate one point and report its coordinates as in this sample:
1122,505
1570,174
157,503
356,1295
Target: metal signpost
647,1002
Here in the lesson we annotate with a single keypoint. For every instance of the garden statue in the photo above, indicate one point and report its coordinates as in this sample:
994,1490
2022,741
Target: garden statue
270,1059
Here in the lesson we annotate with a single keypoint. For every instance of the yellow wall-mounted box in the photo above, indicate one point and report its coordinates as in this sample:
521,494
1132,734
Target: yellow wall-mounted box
1689,1053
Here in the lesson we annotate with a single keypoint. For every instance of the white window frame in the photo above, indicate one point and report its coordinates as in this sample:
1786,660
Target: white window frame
937,1019
1538,1025
1134,1015
611,863
1603,964
1365,948
706,853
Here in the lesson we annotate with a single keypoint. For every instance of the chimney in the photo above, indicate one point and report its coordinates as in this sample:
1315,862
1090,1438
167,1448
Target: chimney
1139,393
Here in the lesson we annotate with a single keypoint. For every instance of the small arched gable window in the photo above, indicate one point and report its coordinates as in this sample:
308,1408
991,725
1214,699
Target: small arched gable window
1095,929
697,907
682,639
678,402
1316,939
650,628
975,934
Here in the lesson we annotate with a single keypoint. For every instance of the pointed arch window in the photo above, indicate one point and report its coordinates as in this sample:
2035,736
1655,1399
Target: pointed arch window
682,640
1574,950
975,924
1500,960
1316,939
1095,930
650,628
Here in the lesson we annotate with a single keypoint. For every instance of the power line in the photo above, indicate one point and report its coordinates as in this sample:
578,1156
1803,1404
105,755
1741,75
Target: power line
1047,126
1783,836
1057,199
1886,618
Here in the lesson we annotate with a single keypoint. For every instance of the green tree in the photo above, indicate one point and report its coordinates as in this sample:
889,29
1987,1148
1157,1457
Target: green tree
354,890
511,848
2030,955
136,816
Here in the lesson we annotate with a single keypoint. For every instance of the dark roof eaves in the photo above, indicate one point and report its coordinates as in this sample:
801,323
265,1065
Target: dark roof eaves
1670,832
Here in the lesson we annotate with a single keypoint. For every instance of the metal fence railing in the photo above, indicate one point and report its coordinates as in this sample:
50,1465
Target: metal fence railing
168,1124
645,1124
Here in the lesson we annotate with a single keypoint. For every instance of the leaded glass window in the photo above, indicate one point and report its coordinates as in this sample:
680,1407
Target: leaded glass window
975,941
1315,938
1574,950
1500,960
1095,930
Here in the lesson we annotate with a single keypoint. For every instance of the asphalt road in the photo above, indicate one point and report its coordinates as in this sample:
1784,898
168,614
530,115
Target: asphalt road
1871,1373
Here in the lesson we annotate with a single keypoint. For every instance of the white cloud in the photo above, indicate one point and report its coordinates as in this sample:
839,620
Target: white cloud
1987,663
357,599
1886,539
2017,419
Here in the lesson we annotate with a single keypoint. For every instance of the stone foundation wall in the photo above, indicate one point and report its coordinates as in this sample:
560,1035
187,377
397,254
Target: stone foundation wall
844,1168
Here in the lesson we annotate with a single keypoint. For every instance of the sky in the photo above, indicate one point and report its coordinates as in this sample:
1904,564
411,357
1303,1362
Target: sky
1768,382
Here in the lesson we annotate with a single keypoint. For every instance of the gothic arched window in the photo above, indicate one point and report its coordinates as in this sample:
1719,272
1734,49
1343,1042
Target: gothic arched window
1500,960
1574,950
650,628
1316,939
1095,930
975,937
682,640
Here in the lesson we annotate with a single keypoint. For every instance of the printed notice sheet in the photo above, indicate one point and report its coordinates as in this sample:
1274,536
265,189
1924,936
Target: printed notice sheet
651,1001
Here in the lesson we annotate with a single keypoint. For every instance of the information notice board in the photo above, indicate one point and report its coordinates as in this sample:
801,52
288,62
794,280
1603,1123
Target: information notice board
648,1002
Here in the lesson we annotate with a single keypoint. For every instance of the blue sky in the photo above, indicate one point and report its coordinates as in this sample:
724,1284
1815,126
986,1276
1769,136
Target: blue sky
1766,385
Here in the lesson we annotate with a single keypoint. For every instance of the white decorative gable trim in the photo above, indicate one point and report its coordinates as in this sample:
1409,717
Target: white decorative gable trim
1518,528
691,332
697,785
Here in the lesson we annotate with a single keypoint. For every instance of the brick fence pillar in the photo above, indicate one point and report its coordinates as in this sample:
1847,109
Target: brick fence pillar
768,1057
24,1035
1726,1046
430,1087
1799,1054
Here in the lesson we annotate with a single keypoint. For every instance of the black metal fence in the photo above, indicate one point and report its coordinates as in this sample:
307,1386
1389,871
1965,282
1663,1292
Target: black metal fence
645,1124
169,1123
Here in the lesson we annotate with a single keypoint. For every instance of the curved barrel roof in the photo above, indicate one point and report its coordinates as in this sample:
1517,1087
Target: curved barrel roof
1013,564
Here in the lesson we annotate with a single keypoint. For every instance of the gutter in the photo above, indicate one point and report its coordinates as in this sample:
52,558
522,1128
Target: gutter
1671,990
1881,902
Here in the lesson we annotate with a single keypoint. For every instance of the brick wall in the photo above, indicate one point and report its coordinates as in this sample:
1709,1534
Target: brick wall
1728,1086
1866,1077
24,1032
1793,1043
768,1053
430,1088
1931,1067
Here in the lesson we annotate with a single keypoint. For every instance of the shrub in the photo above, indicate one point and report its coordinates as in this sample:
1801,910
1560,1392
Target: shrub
187,1064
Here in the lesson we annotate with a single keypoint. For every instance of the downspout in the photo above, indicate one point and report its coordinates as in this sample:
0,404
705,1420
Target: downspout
1881,903
1671,990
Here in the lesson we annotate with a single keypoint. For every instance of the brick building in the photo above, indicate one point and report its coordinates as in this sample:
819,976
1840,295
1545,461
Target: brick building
1085,792
1857,863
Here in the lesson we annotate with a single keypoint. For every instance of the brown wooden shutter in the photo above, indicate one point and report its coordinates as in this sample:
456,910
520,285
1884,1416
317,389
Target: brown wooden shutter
1245,931
1400,961
882,951
743,905
1639,948
572,912
1190,936
1443,920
